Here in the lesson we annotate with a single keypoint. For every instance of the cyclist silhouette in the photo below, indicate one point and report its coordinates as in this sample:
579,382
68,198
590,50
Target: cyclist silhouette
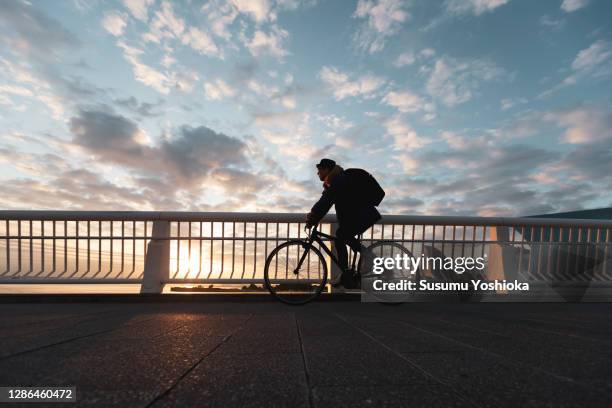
354,210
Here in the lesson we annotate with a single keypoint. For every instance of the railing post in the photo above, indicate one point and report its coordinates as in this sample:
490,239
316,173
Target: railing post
604,266
500,264
157,260
334,270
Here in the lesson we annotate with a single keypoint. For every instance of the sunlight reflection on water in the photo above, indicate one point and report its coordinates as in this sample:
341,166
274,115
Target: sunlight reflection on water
71,288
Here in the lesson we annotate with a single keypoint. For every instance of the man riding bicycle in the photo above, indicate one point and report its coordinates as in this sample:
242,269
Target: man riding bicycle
354,209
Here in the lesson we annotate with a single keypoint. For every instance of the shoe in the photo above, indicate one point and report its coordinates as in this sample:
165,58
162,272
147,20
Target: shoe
345,279
338,282
348,279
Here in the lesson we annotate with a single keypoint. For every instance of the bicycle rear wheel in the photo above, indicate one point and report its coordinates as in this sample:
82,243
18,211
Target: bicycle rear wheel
394,283
295,272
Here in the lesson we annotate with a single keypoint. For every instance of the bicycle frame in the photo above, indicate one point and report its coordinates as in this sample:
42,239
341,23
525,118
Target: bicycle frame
316,236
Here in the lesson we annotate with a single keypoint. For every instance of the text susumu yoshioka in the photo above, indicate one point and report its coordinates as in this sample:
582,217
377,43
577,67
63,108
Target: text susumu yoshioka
403,285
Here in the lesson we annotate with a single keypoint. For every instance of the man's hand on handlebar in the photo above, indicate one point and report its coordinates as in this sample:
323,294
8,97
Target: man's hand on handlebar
310,221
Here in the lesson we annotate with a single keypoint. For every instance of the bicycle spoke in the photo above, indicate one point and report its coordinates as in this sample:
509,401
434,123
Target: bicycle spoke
304,277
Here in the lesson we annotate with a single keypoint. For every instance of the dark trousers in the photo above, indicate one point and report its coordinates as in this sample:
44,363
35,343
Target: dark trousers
345,235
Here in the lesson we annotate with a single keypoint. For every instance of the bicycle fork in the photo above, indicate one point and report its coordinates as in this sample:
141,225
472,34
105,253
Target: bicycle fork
299,265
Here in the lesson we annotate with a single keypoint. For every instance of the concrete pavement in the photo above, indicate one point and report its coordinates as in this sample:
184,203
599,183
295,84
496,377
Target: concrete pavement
262,353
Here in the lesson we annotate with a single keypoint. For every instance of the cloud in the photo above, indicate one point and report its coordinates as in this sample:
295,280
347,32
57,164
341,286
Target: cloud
139,8
475,7
288,131
462,142
77,190
53,90
285,120
218,89
199,150
261,11
291,135
335,122
427,52
200,41
34,164
569,6
410,57
554,24
462,8
258,10
343,86
221,15
581,125
268,43
288,95
166,25
509,175
506,103
512,179
262,93
405,58
383,19
509,103
493,183
295,4
404,136
21,72
182,161
143,72
145,109
54,179
114,22
33,33
15,90
455,81
409,164
262,89
54,104
107,134
584,124
589,163
241,184
594,61
407,102
182,79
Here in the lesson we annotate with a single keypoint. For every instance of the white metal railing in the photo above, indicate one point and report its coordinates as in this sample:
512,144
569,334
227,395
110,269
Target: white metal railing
155,248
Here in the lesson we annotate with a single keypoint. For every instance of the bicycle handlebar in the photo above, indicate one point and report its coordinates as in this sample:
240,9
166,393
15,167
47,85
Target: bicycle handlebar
311,230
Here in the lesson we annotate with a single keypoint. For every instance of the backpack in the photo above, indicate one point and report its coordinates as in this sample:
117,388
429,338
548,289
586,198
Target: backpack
365,186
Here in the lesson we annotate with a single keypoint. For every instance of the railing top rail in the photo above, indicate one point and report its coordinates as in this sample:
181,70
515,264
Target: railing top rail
61,215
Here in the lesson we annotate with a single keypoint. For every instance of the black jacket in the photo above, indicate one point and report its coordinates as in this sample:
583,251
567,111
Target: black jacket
352,208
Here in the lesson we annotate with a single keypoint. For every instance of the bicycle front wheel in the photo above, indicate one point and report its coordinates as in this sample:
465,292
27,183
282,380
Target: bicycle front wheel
295,272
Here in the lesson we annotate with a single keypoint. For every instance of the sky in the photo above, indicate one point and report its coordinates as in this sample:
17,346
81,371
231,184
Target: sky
457,107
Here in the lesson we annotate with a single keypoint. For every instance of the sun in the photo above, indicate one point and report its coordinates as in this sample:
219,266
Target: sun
190,267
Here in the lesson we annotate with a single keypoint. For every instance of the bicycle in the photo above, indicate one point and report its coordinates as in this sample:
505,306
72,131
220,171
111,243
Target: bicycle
307,277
